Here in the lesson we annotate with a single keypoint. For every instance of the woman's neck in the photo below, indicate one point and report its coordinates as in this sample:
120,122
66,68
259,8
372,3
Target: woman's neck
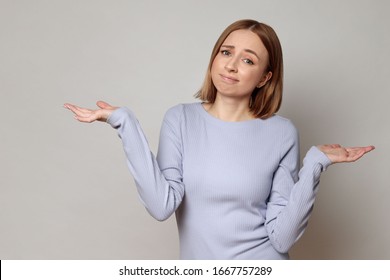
229,110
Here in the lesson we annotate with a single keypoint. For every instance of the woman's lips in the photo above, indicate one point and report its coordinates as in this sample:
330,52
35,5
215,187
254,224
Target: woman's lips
229,79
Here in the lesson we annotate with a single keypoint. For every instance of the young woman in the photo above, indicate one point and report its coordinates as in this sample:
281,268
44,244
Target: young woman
228,166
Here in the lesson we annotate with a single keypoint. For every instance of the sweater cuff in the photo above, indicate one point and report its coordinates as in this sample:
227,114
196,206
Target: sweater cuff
116,117
316,156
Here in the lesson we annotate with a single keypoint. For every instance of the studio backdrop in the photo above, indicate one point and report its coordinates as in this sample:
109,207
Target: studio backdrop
65,191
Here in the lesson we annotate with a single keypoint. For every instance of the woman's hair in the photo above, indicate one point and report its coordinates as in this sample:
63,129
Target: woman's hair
265,101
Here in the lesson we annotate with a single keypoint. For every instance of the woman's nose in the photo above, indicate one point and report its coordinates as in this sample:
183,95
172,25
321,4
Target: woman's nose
231,65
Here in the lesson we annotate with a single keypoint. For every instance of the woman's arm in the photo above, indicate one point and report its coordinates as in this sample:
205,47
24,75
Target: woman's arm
161,191
293,191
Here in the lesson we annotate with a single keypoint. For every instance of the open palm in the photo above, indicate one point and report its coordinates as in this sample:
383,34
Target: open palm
91,115
336,153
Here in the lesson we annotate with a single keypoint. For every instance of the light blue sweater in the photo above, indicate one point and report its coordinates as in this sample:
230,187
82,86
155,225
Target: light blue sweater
235,187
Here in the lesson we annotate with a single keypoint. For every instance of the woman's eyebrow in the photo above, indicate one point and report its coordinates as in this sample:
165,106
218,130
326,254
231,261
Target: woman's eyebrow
247,50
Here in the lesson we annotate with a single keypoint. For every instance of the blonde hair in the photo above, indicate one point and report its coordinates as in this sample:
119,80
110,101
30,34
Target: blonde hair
265,101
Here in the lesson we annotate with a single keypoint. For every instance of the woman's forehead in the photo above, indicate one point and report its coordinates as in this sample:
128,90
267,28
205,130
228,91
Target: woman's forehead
245,39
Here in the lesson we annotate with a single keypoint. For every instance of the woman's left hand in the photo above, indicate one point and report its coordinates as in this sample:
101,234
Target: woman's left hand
338,154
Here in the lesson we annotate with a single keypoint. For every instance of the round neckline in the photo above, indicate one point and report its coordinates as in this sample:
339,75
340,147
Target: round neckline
220,122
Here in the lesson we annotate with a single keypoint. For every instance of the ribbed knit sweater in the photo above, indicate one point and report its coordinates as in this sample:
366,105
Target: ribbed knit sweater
236,187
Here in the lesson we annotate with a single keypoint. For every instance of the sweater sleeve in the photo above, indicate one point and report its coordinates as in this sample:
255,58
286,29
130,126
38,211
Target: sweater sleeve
293,193
160,191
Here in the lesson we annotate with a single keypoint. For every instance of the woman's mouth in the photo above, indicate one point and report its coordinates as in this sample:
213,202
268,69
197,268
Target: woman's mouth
229,79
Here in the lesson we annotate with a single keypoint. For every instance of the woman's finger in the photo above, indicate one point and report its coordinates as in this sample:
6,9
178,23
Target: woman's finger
75,109
103,105
355,153
87,118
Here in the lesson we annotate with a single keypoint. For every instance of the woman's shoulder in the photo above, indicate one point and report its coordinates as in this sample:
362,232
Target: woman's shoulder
281,121
176,112
284,126
183,107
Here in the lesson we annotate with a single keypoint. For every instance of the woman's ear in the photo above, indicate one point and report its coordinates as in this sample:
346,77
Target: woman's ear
265,79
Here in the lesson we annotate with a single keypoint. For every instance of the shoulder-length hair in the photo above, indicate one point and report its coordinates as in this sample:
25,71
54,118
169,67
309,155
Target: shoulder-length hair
265,101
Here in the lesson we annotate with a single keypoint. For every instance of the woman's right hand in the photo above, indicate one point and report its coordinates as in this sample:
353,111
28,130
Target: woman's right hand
90,115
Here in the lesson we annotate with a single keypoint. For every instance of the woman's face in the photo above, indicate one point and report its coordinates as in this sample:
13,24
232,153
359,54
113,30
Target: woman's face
240,65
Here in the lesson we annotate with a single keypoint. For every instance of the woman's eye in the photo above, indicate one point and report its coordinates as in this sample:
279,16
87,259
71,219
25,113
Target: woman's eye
225,52
248,61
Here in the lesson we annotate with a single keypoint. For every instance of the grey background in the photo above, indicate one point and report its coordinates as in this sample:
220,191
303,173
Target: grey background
65,192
